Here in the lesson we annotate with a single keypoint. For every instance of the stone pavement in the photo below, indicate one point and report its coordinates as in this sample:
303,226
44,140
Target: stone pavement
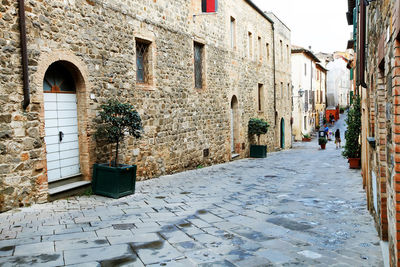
301,207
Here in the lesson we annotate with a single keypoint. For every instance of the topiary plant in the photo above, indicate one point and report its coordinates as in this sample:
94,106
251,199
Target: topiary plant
352,148
257,127
117,119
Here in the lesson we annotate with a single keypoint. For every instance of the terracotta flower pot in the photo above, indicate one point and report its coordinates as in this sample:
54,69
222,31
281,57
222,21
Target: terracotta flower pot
323,146
354,163
304,139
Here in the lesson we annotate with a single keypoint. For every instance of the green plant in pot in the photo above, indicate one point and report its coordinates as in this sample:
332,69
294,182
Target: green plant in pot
306,138
352,148
322,142
257,127
116,120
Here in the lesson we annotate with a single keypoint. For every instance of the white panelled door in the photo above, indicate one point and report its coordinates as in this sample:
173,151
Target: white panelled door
61,127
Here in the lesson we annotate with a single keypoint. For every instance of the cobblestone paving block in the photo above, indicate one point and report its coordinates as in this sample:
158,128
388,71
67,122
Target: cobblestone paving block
42,247
69,236
275,256
6,251
96,254
110,231
157,251
86,264
174,263
45,260
63,245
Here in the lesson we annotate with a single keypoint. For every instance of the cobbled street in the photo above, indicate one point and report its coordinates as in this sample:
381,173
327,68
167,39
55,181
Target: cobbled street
300,207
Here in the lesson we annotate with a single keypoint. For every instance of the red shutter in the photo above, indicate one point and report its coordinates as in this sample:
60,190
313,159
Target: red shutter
209,6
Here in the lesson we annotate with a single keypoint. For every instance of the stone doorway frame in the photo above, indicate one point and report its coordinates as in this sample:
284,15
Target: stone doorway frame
79,72
234,108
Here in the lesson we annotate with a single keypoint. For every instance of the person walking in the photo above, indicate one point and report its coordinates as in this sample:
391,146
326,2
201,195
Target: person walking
337,139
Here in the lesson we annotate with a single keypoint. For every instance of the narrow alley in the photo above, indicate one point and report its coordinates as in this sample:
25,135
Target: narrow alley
301,207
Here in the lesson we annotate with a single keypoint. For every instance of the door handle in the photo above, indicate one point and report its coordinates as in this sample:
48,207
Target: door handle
61,136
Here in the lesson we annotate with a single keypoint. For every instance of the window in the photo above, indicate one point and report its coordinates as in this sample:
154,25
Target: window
142,61
233,33
198,65
281,45
281,89
267,45
288,90
250,45
287,54
259,48
260,97
305,69
305,122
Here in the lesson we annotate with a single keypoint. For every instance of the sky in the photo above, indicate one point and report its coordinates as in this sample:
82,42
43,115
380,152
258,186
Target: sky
320,24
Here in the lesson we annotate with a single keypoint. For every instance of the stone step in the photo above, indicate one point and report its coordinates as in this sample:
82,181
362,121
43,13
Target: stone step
235,156
67,187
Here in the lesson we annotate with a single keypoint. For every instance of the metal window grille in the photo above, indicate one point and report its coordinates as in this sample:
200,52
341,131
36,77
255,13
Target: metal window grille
198,65
142,62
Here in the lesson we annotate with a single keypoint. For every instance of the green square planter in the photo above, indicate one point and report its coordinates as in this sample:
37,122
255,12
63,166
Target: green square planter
257,151
113,182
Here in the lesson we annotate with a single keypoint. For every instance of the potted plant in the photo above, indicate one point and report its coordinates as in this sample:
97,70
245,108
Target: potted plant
258,127
352,148
116,120
322,142
306,138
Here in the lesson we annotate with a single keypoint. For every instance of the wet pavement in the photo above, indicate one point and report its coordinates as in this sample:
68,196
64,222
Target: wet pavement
301,207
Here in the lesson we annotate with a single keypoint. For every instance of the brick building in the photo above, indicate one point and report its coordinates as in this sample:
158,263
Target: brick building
195,78
376,66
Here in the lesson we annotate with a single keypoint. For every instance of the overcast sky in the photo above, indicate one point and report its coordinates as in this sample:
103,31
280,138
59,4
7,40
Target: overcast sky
320,24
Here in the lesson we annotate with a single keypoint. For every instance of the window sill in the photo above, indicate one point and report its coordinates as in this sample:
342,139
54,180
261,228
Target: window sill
145,86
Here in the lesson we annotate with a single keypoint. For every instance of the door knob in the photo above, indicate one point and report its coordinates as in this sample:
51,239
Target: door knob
61,135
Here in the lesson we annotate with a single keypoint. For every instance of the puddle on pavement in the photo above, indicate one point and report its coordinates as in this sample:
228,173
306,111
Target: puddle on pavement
8,248
101,241
118,261
240,254
150,245
183,225
201,212
289,224
187,245
169,228
123,226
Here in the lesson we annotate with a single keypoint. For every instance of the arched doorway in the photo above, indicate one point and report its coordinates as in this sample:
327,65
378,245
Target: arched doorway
234,123
282,133
61,122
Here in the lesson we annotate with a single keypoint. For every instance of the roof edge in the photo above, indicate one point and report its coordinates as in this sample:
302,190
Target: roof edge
259,11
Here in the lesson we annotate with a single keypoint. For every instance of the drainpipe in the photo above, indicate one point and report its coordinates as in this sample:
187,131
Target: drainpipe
362,22
24,55
274,69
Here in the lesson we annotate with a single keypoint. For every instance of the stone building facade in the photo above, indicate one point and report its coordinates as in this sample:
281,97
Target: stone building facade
304,79
142,52
378,84
283,83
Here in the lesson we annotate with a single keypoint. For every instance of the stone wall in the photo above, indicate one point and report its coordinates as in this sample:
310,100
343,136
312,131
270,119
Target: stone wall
96,39
382,100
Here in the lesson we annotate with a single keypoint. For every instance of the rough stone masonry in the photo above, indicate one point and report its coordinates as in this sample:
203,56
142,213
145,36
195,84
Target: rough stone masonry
96,41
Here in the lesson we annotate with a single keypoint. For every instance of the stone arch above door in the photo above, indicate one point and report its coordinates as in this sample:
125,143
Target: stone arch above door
235,125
